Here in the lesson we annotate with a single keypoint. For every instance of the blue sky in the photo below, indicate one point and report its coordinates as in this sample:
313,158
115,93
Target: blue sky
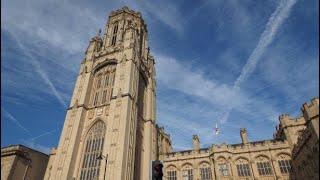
234,63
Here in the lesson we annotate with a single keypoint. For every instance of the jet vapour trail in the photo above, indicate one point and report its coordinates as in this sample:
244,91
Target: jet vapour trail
13,119
275,21
40,71
44,134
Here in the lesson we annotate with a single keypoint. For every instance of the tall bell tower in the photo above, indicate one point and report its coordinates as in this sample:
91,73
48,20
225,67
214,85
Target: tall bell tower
112,110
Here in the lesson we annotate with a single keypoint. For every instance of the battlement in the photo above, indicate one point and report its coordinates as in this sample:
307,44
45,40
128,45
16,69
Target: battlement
163,133
187,153
311,110
126,10
266,144
286,120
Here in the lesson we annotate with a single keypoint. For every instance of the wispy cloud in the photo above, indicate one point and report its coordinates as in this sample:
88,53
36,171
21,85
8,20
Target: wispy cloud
32,142
55,22
193,82
166,12
43,134
40,71
193,93
16,121
266,38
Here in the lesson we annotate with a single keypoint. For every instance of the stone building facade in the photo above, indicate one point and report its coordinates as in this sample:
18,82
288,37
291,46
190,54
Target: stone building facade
21,162
292,154
109,130
305,154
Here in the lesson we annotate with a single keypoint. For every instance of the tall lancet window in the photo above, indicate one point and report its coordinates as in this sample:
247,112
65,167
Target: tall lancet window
114,34
103,85
93,148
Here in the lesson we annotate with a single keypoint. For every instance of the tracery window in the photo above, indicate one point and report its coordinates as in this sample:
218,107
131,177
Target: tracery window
223,169
187,174
205,173
264,168
114,34
103,85
93,148
172,175
171,172
285,166
243,168
284,163
223,166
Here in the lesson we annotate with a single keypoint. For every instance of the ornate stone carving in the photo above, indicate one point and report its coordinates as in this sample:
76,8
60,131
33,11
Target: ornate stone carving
99,111
90,114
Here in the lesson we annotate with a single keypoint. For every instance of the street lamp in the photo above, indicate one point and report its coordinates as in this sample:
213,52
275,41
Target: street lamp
100,157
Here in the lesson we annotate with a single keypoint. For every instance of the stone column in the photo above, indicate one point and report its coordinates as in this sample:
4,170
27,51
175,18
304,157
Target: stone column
254,171
277,173
217,175
213,169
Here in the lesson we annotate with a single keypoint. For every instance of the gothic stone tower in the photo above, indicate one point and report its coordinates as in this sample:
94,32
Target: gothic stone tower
112,110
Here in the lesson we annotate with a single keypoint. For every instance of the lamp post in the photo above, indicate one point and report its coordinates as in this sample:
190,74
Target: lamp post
100,157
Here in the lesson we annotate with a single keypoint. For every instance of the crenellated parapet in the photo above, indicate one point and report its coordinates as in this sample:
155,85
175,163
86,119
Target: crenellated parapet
289,128
252,146
125,9
188,154
286,121
311,110
164,141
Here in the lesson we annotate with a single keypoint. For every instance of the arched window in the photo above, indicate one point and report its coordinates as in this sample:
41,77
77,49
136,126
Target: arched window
205,171
223,167
187,172
284,162
264,166
103,85
93,148
171,173
114,34
243,167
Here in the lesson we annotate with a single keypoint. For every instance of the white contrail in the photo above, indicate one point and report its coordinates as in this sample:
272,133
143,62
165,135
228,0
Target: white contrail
39,70
275,21
44,134
13,119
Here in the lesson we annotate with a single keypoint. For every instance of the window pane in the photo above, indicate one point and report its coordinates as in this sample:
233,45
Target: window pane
90,167
205,173
264,168
243,170
172,175
284,166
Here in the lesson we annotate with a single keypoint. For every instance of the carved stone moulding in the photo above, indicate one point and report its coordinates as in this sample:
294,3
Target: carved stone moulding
91,113
99,111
